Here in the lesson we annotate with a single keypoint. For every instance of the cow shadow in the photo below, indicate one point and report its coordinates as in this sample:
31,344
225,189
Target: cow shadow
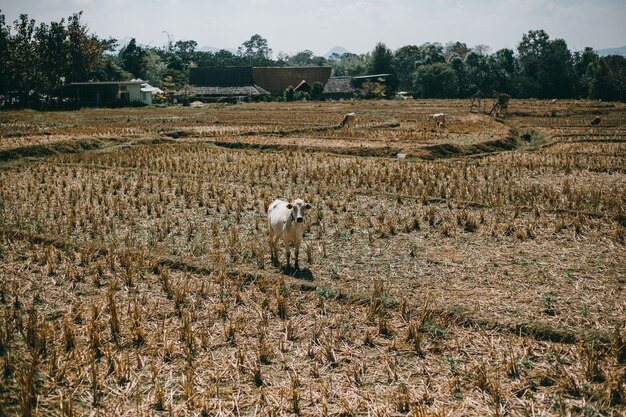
303,273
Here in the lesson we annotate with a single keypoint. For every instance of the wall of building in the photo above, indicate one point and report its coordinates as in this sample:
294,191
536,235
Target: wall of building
277,79
135,91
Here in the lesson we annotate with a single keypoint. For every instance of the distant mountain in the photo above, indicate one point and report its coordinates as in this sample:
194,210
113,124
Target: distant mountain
213,49
612,51
336,50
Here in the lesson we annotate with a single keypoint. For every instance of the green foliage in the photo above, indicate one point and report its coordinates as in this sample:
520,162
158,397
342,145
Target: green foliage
256,51
289,94
372,89
459,49
349,64
52,52
609,78
304,58
327,293
548,302
545,66
435,81
133,59
583,66
43,57
408,59
85,50
381,62
316,90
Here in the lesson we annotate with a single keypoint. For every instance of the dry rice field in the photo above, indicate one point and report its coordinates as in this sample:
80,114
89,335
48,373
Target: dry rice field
484,275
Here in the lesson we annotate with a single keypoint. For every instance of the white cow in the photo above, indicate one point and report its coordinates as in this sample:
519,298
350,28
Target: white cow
286,220
348,119
439,119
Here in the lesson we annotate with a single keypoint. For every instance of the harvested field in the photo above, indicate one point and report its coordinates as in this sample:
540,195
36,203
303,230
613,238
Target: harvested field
483,275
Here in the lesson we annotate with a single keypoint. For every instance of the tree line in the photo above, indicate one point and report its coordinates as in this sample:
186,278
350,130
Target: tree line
37,59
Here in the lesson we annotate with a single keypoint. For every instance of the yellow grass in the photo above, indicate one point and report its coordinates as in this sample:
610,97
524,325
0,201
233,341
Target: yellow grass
484,275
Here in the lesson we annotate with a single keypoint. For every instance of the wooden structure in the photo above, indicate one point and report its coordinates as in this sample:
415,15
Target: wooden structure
501,103
275,80
477,98
104,93
339,88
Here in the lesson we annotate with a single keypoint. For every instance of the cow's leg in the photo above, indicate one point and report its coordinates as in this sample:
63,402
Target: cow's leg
276,258
273,248
296,253
270,241
287,253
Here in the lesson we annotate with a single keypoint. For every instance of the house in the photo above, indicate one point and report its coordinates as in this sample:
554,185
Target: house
242,83
276,79
150,94
223,83
109,93
377,78
339,88
221,93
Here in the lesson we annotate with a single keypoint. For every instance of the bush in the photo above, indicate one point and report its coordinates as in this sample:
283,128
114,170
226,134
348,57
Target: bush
371,89
316,90
289,94
435,81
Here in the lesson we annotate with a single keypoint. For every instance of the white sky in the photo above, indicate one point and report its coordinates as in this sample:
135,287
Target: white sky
357,25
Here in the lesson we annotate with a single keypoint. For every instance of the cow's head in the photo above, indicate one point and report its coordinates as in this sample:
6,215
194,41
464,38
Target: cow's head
297,207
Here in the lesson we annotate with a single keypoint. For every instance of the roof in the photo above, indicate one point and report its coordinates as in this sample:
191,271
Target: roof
147,88
131,82
303,84
339,85
364,77
246,90
221,76
277,79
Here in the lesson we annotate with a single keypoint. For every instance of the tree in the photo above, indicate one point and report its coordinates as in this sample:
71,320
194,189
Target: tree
503,67
532,50
155,68
405,62
23,71
304,58
53,54
458,48
289,94
464,87
430,53
372,89
435,81
609,78
85,50
381,62
558,80
545,65
110,70
133,59
256,51
479,73
185,51
349,64
5,42
316,90
583,67
409,58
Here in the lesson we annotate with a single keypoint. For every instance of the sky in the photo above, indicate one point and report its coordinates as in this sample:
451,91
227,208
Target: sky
291,26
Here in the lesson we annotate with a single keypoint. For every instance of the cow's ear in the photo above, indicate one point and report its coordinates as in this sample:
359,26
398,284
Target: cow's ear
289,206
307,206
